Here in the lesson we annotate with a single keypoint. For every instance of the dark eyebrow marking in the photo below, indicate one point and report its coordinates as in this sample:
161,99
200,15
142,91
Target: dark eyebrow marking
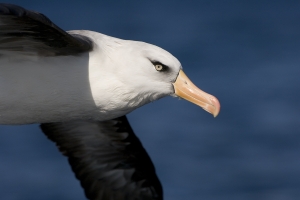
165,67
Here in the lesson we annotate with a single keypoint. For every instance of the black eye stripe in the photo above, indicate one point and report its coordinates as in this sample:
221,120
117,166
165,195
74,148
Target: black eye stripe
164,67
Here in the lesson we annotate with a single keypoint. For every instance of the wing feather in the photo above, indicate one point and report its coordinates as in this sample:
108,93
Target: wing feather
107,158
27,31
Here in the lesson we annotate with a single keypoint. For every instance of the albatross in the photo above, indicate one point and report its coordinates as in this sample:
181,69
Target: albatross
79,85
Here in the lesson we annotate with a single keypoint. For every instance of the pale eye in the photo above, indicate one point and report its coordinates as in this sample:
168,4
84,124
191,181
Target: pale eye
159,67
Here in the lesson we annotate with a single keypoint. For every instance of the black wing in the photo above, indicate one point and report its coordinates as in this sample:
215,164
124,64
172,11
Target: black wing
107,158
27,31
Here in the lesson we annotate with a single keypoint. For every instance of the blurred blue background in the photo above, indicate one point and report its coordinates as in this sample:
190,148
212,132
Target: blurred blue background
246,53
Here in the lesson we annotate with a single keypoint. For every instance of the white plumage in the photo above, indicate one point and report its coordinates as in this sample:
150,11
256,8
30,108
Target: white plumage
80,85
113,79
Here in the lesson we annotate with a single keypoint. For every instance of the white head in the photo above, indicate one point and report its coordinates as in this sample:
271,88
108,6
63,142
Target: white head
131,74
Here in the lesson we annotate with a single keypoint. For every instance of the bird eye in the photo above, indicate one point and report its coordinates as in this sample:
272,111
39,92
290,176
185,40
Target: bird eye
159,67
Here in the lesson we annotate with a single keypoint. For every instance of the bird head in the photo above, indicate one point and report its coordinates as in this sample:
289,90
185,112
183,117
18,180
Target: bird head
140,73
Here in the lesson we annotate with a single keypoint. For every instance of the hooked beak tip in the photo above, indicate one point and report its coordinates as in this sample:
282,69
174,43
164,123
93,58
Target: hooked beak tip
216,105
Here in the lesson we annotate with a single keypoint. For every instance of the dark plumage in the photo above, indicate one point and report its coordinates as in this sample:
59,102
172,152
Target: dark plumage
64,79
24,30
107,158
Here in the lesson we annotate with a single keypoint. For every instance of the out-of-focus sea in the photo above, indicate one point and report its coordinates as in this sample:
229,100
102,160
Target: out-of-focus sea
246,53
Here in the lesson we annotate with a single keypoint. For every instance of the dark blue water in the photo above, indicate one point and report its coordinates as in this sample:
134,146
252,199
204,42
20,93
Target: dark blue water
246,53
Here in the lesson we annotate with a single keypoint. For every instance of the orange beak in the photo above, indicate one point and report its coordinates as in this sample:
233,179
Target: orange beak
185,89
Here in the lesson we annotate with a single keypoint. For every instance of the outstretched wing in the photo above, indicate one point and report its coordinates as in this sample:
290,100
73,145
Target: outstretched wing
27,31
107,158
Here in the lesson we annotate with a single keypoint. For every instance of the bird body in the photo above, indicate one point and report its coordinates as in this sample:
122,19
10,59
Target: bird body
33,88
80,85
96,85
